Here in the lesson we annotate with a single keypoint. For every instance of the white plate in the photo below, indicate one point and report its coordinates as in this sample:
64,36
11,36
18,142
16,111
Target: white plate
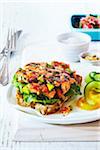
76,116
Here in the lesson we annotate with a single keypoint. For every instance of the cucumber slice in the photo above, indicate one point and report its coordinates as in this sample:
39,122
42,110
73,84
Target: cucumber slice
88,79
97,77
91,92
92,74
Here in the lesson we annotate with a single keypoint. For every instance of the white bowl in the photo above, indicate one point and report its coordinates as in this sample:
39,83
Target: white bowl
74,43
90,62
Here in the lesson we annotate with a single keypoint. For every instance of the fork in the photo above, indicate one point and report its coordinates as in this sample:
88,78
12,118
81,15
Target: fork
10,46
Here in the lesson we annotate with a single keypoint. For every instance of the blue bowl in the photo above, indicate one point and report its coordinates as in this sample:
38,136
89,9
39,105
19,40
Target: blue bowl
94,33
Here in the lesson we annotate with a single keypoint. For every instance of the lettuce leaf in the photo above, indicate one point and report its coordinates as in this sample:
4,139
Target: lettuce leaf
74,90
33,98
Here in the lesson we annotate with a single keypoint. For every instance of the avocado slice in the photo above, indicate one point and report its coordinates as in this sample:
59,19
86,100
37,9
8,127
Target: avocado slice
50,86
25,89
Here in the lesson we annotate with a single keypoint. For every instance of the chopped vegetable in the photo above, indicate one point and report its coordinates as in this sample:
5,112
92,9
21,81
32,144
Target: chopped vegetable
91,99
88,78
97,77
90,22
40,78
25,89
92,76
92,92
33,98
50,86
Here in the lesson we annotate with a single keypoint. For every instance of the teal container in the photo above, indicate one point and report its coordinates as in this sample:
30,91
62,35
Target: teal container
94,33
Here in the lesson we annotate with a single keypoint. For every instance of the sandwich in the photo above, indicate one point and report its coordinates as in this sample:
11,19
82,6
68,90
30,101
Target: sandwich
46,86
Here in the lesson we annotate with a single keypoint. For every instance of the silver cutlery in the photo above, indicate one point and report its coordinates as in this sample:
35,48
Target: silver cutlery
16,35
10,47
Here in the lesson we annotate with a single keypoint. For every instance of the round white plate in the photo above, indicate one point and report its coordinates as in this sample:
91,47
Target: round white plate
32,53
76,116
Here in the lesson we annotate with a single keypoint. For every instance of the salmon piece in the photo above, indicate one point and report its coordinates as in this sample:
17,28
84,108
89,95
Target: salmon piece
62,77
60,94
35,66
44,88
65,86
77,78
57,83
42,72
72,80
32,77
34,88
60,65
50,74
51,94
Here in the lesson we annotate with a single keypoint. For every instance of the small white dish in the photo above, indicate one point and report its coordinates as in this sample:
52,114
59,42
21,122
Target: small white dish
90,62
74,43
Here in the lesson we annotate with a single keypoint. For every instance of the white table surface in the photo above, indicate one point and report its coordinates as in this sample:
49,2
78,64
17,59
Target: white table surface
7,143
